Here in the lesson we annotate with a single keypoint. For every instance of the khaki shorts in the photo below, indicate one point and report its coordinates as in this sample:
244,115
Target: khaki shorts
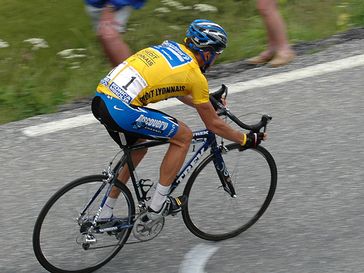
121,17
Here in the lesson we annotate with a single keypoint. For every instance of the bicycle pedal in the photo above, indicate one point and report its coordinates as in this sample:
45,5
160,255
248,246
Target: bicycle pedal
175,213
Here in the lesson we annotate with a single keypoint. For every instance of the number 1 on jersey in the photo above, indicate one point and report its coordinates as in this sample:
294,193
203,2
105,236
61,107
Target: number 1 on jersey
125,87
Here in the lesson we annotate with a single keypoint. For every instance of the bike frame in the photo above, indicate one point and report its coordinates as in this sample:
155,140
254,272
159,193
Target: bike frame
208,140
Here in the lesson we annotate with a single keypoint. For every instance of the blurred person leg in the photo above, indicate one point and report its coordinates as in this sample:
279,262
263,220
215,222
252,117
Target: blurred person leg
278,51
109,24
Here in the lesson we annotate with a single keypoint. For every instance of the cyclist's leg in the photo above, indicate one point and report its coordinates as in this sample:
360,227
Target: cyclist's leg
123,177
176,154
136,157
171,164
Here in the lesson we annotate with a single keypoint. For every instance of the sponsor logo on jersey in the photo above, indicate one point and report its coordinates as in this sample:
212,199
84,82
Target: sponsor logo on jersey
173,54
162,91
175,48
147,56
118,91
169,89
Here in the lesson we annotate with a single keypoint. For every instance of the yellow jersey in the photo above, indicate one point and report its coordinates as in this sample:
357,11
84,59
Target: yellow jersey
157,73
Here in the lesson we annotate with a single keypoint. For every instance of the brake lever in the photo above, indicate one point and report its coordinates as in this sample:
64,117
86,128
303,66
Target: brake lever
268,118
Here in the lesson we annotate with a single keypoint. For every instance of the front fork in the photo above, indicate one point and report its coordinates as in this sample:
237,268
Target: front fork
222,171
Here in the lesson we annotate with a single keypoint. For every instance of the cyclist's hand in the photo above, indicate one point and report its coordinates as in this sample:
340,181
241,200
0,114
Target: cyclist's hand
223,101
254,139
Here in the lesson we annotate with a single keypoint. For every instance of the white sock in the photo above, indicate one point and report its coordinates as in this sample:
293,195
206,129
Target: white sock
108,208
159,196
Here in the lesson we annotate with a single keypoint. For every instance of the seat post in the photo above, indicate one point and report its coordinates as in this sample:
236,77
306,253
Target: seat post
122,138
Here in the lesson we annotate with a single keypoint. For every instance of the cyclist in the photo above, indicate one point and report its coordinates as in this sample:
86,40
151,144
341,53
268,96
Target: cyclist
153,74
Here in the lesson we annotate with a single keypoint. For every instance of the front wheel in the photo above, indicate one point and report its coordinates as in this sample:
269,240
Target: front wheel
211,212
62,238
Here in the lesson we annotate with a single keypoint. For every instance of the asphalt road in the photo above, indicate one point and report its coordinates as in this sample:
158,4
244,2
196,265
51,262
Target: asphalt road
314,224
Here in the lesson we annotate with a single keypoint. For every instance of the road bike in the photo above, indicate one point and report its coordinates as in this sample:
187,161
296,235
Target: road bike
228,189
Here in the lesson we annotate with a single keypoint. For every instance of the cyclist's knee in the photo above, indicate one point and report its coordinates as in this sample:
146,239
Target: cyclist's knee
188,139
183,137
186,134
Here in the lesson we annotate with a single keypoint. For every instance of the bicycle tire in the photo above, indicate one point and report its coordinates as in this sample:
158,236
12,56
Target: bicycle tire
202,196
49,236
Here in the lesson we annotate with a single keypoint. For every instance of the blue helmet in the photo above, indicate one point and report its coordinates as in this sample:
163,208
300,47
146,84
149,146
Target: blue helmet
206,35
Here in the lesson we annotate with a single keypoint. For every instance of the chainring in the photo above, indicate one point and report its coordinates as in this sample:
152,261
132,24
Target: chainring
145,231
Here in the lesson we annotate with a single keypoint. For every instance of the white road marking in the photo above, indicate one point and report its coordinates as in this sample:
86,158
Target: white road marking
196,259
298,74
54,126
310,71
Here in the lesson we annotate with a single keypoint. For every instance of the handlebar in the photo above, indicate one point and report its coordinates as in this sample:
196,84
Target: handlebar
215,99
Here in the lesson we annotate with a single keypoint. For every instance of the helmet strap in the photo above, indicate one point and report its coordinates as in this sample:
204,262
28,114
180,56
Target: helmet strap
207,62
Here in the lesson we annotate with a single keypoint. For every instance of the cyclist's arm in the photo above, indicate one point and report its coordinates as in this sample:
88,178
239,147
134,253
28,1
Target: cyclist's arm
187,100
216,124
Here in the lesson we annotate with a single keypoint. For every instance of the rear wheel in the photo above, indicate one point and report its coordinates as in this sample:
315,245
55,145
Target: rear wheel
211,213
62,240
